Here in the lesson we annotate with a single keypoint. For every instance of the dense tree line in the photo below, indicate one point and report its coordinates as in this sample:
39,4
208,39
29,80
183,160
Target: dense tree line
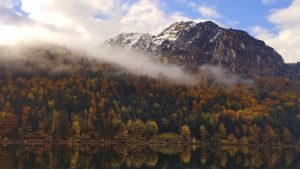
125,107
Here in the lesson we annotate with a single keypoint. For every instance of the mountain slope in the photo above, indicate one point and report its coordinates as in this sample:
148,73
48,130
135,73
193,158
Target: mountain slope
193,44
46,60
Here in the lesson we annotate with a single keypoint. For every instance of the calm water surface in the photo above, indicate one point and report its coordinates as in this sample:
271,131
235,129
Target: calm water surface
143,157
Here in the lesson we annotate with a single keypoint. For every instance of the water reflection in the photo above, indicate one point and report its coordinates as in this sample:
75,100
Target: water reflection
142,157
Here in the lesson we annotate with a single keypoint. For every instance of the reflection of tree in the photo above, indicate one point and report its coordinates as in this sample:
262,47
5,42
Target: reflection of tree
151,159
289,156
6,161
238,160
167,149
246,161
273,160
85,157
213,166
40,151
74,158
186,156
203,157
134,156
52,160
135,161
114,164
223,159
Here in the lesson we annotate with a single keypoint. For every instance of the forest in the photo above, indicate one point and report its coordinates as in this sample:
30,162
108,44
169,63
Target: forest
123,107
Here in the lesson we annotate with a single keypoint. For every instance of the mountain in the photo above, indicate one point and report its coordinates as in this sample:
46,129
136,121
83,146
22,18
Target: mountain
291,70
50,93
46,60
193,44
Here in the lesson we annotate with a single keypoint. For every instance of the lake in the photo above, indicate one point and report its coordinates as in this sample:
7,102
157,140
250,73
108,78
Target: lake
143,157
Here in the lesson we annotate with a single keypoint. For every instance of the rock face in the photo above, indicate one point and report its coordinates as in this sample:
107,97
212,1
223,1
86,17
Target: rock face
291,71
193,44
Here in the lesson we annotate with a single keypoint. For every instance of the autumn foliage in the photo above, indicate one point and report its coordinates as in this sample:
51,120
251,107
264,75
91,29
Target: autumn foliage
122,107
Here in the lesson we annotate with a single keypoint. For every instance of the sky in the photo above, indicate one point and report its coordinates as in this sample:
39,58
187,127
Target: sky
87,23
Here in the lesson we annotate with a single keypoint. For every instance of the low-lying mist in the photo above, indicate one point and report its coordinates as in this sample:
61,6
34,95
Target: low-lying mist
43,59
143,63
49,59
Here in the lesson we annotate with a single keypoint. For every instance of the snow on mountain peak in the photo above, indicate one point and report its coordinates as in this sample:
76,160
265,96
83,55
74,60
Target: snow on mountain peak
128,40
171,33
150,42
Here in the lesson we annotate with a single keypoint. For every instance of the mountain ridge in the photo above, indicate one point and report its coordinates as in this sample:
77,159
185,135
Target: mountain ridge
192,44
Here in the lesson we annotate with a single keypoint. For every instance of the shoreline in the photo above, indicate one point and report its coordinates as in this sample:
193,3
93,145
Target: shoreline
139,143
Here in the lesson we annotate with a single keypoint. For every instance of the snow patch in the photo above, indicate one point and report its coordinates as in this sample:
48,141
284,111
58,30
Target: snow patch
172,32
216,36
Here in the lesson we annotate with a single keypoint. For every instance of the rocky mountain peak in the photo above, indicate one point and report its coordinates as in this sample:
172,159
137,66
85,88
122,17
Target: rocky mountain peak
192,44
130,40
172,32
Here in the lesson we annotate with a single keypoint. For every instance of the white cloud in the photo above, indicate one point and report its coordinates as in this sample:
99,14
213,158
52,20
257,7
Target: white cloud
209,12
8,14
189,3
142,16
81,22
286,41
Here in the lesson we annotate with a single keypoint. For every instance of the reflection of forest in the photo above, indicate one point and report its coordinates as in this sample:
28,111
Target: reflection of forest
133,156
